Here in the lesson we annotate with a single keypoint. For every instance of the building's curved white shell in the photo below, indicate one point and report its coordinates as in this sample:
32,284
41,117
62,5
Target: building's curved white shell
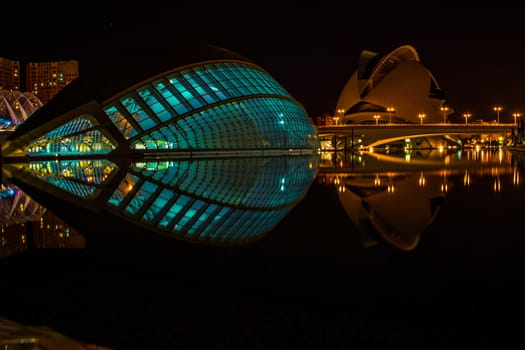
397,80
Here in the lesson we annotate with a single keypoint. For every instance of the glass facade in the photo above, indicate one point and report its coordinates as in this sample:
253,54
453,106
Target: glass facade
233,151
82,135
228,105
220,105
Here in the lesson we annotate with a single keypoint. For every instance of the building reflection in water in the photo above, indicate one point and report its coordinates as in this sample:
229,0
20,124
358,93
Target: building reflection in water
218,201
398,207
233,201
394,198
27,225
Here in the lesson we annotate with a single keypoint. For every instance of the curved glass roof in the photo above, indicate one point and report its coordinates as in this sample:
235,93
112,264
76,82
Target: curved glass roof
219,105
214,150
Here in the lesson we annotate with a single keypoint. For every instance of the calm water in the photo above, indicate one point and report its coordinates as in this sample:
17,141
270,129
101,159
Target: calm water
419,250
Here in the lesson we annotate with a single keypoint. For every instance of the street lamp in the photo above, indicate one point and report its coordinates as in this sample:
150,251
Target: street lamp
390,110
421,116
340,115
498,109
466,116
444,110
376,117
516,115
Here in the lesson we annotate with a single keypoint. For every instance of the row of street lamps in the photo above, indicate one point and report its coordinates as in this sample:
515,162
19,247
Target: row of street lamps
421,116
497,109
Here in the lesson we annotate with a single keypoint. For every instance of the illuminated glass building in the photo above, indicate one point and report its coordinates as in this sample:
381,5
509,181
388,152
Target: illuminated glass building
203,99
204,146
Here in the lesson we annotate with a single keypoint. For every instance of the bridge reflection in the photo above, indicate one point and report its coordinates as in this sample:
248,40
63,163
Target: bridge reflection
415,160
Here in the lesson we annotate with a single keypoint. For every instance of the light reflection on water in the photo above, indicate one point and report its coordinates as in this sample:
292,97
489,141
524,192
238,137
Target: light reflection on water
390,197
434,208
395,197
223,202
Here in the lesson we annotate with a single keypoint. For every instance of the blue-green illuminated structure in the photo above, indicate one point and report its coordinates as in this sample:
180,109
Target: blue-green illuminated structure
200,144
201,98
223,201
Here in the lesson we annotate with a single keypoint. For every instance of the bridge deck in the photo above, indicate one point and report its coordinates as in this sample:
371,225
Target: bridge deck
381,133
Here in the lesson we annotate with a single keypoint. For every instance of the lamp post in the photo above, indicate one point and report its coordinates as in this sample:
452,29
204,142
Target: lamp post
516,115
444,109
376,117
340,114
421,116
466,116
390,110
498,109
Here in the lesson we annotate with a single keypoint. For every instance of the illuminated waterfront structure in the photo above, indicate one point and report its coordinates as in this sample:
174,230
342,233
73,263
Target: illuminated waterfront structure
200,144
396,86
9,74
205,98
46,79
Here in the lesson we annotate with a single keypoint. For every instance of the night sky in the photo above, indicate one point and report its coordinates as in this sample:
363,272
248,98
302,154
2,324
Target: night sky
476,55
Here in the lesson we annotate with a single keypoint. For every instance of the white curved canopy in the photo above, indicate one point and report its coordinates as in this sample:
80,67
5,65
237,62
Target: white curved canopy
16,107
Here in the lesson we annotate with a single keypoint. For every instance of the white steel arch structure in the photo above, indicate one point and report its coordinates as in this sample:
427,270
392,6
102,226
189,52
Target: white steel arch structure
16,107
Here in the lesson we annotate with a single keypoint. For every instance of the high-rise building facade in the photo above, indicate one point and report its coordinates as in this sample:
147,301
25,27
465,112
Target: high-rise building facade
45,79
9,74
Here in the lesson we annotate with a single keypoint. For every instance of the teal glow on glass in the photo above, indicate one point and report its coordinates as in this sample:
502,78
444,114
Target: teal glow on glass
79,177
79,136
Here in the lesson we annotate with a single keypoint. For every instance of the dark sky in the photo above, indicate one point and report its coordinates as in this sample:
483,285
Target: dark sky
477,55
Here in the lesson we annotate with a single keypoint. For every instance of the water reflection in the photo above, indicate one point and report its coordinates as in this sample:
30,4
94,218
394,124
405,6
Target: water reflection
394,205
17,207
397,205
27,225
15,336
395,197
218,201
390,197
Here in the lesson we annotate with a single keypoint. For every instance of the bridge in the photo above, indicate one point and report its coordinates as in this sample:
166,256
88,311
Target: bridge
370,135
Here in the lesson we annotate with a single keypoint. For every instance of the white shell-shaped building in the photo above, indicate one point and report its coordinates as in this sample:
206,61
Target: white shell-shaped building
16,107
395,86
